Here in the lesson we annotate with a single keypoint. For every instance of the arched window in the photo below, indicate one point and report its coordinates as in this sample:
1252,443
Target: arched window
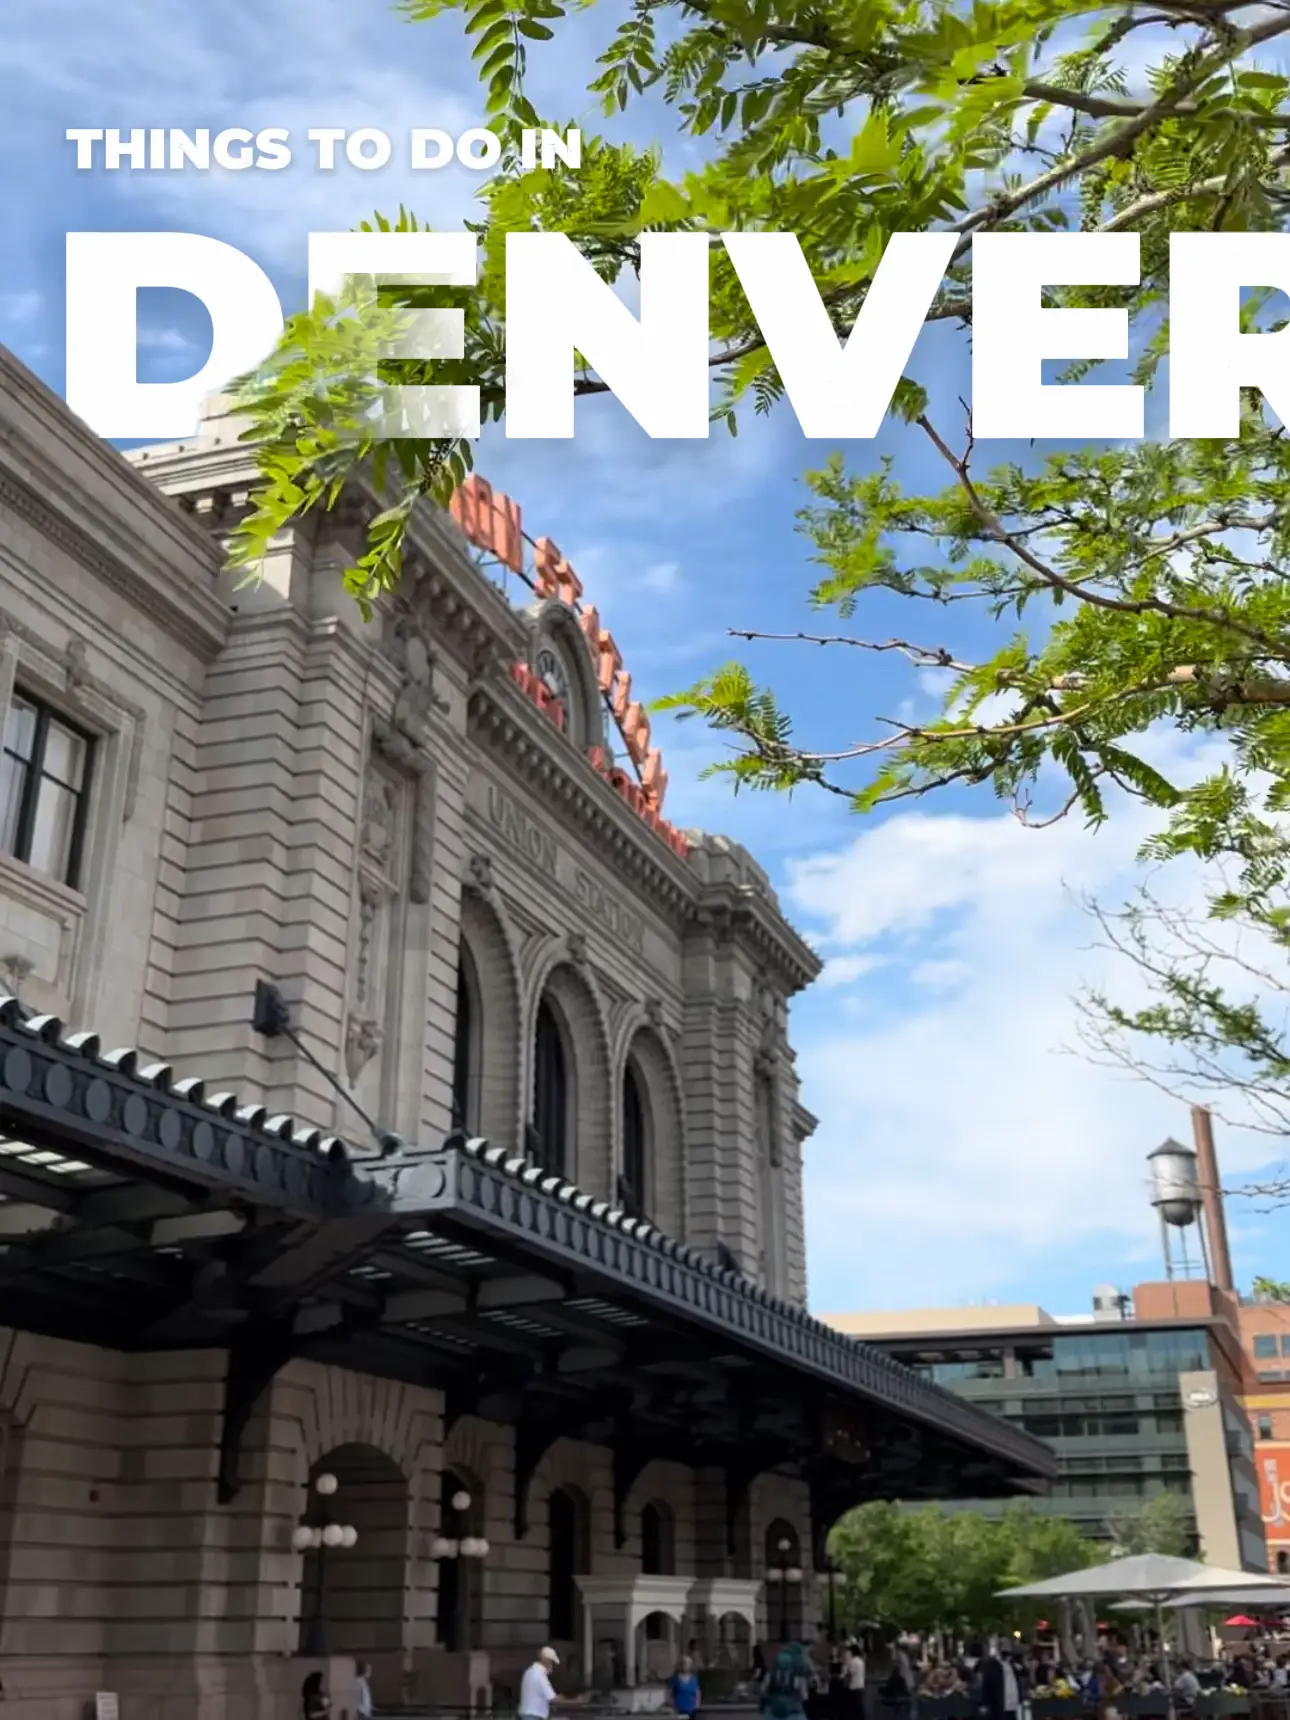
632,1186
566,1560
658,1541
463,1052
550,1146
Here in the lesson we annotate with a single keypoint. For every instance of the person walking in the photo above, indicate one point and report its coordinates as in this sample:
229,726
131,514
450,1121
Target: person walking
683,1688
315,1704
363,1708
537,1693
1000,1689
853,1681
786,1685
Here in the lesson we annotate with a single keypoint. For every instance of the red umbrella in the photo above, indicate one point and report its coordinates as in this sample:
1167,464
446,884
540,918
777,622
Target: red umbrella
1239,1621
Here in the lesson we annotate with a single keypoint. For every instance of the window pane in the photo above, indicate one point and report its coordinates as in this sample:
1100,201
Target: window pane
1265,1345
64,755
20,730
13,776
1285,1343
51,831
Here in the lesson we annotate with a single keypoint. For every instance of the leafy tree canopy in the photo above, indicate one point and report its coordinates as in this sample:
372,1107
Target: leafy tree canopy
1161,1524
1120,588
928,1569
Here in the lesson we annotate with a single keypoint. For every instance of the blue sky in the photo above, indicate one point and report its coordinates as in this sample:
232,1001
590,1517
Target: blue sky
966,1152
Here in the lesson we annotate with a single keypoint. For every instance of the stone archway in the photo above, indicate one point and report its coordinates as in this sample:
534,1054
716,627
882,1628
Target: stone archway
565,999
568,1558
459,1608
650,1132
353,1589
486,1064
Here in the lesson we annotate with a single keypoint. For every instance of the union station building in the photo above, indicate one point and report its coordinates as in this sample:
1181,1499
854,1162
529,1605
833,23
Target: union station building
401,1238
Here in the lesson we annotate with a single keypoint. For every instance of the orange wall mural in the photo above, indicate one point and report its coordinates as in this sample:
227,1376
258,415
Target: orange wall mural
492,523
1273,1463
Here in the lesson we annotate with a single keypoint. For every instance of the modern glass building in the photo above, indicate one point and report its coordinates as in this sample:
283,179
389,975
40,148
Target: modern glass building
1131,1407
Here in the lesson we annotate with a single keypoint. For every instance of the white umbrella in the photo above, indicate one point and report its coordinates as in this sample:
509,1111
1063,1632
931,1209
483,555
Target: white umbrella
1146,1574
1152,1577
1210,1580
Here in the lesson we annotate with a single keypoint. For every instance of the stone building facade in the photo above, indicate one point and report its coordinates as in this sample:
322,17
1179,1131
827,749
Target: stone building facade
478,932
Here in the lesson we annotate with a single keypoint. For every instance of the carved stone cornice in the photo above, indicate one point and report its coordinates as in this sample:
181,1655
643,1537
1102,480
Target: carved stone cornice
738,914
504,722
194,618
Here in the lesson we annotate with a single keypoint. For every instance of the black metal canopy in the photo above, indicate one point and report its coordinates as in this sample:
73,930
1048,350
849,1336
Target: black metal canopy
139,1212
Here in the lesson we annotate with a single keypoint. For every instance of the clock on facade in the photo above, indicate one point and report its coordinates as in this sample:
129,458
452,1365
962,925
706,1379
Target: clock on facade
555,676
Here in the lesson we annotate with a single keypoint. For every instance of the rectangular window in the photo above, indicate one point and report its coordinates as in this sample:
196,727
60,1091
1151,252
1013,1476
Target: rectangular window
1285,1343
1265,1345
44,790
1263,1427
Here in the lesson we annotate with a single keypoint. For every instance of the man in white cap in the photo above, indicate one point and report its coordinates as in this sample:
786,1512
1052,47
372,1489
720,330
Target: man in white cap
537,1695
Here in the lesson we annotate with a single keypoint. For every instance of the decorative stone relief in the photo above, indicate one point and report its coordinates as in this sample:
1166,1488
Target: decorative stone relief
480,873
378,819
411,758
74,662
407,647
369,900
576,944
363,1039
380,865
16,969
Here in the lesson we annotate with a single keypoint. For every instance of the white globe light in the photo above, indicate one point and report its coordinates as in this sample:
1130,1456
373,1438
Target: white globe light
461,1501
326,1485
333,1535
481,1548
793,1575
302,1539
781,1546
470,1548
442,1548
349,1536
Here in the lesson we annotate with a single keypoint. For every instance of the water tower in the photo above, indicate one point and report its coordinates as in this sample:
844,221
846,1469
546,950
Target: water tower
1176,1196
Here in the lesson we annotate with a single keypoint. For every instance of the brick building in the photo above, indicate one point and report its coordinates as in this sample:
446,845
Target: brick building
538,1330
1265,1338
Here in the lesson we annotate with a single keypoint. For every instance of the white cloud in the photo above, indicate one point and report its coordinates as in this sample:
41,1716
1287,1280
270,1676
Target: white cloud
846,970
964,1146
661,576
164,340
19,309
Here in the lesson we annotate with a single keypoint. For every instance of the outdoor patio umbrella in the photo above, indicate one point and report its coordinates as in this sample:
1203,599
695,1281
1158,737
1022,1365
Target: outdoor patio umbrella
1247,1599
1154,1578
1240,1621
1147,1576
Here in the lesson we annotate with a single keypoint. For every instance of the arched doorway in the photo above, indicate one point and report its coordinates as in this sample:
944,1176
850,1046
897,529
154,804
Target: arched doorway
465,1049
552,1093
658,1540
459,1610
568,1557
658,1559
633,1181
784,1582
352,1587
